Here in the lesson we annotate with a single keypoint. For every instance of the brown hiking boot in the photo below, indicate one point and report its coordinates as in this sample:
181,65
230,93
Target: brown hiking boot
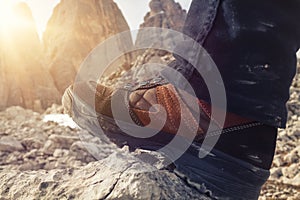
140,100
174,106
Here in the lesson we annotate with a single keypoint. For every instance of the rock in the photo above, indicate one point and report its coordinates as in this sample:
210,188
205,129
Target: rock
60,153
275,173
10,144
18,114
278,161
74,29
58,142
295,117
296,197
31,154
63,141
293,156
61,119
80,150
24,79
54,109
12,158
146,66
33,143
117,177
49,147
163,14
296,133
292,181
29,166
296,180
291,171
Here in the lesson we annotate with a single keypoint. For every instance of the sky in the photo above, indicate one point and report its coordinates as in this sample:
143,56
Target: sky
133,10
41,11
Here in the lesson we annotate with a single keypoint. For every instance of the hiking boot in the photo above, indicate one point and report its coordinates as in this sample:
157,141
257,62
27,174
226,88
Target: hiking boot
140,99
86,99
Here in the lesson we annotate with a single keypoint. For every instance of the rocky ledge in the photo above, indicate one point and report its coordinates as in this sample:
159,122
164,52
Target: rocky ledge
42,159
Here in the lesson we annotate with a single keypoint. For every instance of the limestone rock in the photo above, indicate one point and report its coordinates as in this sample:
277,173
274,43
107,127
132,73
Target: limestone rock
10,144
75,28
163,14
69,171
24,79
117,177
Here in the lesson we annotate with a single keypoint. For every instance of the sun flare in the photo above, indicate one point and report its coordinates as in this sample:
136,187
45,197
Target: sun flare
10,18
17,31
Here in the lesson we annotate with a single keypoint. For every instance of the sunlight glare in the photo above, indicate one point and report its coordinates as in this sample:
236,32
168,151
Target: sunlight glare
9,18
